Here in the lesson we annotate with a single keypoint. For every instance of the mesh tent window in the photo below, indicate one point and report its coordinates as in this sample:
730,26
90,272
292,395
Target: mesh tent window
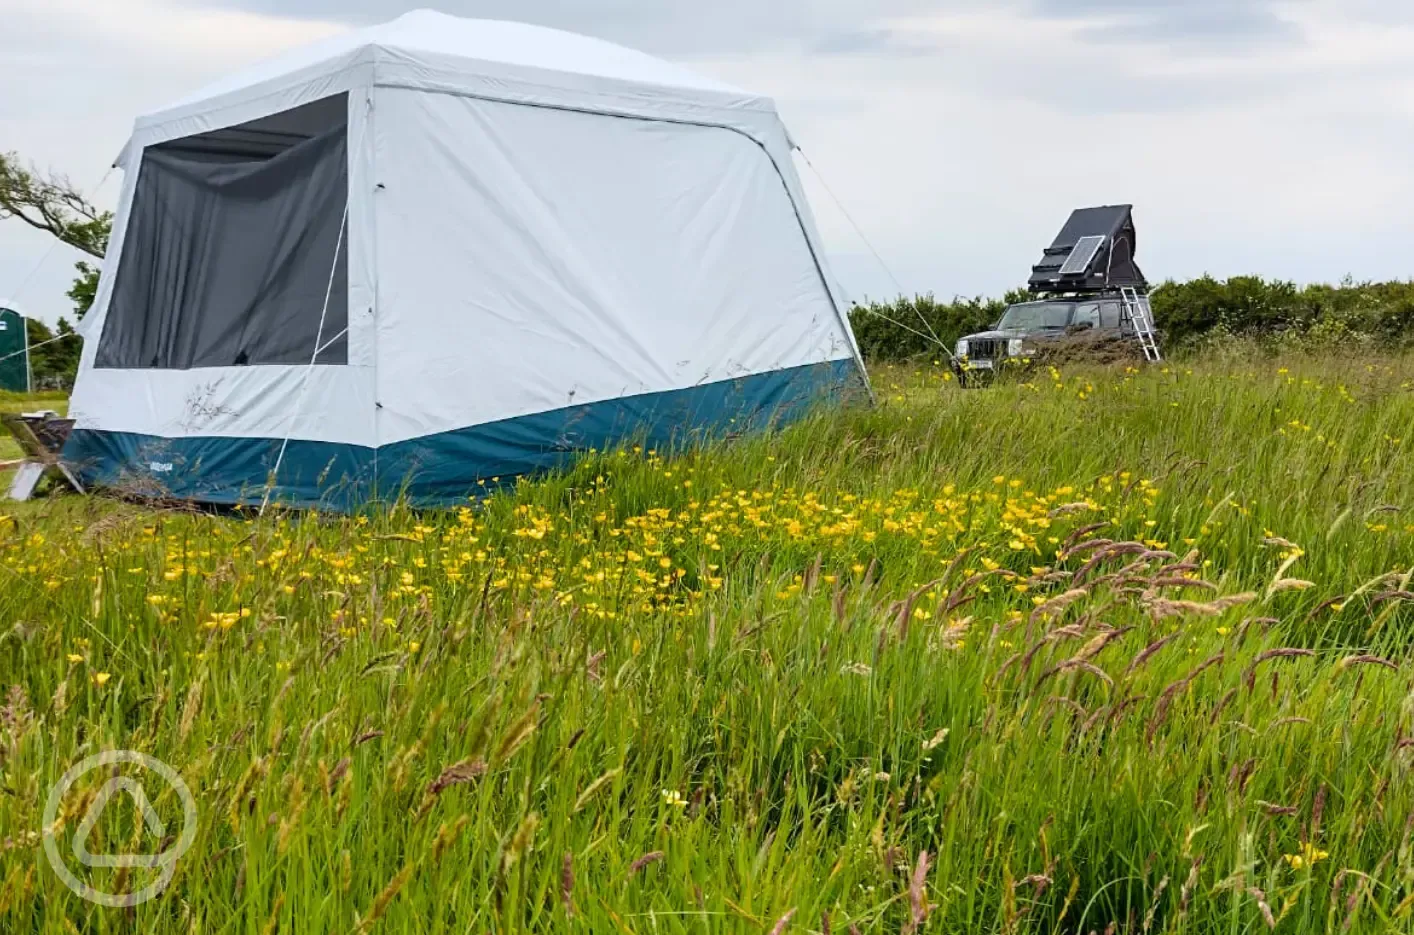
234,245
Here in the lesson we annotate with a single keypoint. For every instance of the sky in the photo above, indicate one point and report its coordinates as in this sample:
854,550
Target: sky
1273,137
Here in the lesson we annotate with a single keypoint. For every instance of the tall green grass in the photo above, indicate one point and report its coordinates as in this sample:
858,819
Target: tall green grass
1102,650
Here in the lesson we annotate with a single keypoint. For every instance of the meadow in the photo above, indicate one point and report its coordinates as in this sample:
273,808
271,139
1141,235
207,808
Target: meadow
1111,650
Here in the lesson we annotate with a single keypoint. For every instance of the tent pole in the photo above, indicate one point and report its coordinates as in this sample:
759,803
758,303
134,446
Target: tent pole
29,370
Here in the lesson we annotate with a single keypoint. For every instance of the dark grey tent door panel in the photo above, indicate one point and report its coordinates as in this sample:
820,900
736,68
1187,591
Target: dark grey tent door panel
236,249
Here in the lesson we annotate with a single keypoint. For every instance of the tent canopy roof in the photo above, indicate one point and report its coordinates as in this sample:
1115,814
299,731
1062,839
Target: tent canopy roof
484,47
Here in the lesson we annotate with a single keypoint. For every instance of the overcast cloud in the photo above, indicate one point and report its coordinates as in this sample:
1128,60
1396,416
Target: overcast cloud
1252,135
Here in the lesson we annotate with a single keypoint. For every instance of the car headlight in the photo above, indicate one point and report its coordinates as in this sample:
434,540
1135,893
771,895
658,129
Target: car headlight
962,348
1014,347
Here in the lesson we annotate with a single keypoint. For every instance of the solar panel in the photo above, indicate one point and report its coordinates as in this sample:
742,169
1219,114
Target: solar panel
1080,257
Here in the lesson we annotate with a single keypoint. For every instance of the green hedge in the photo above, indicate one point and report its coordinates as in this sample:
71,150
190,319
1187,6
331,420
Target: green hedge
1187,313
904,329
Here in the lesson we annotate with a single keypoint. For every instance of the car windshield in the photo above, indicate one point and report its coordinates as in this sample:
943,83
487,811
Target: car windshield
1036,316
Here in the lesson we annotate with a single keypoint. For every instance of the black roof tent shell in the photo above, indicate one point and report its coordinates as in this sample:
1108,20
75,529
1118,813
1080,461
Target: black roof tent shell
1111,267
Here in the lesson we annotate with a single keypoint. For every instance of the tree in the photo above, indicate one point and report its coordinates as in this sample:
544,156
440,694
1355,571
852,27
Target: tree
85,288
51,203
52,363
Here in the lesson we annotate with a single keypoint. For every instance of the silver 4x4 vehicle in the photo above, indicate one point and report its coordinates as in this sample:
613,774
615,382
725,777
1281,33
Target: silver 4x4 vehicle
1088,289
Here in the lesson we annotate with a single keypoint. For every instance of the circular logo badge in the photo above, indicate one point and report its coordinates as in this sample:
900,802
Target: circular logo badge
165,863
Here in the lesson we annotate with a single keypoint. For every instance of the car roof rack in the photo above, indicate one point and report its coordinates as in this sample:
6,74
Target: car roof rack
1093,253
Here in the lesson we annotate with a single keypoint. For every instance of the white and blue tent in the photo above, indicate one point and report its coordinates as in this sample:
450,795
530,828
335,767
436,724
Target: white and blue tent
416,257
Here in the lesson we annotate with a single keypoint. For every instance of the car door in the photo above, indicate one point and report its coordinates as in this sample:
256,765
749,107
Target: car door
1110,316
1086,314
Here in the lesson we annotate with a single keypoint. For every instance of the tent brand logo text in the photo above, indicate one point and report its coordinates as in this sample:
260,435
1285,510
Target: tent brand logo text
160,467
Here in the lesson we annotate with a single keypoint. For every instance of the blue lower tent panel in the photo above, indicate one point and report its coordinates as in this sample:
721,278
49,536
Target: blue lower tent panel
448,467
222,470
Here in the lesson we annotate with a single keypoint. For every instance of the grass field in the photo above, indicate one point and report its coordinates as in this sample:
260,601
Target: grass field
1110,651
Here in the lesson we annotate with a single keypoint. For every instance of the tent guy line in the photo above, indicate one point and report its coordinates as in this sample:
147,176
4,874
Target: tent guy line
71,334
931,335
319,348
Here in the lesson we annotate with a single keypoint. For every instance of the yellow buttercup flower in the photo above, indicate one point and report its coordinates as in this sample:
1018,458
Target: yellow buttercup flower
1308,857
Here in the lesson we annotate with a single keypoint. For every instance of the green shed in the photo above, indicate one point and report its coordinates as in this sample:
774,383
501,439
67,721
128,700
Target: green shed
14,352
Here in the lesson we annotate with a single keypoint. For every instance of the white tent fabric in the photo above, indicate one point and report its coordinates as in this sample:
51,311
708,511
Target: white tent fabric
552,243
431,51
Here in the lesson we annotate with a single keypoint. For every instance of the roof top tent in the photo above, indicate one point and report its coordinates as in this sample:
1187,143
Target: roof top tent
1094,252
15,374
421,257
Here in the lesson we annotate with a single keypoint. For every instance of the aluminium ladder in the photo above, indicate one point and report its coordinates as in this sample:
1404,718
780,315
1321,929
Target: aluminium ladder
1138,314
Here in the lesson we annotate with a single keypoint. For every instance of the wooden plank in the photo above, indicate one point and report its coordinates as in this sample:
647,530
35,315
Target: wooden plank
26,480
41,443
24,435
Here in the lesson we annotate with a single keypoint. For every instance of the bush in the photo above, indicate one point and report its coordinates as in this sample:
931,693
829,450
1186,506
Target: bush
1368,315
905,328
1190,315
